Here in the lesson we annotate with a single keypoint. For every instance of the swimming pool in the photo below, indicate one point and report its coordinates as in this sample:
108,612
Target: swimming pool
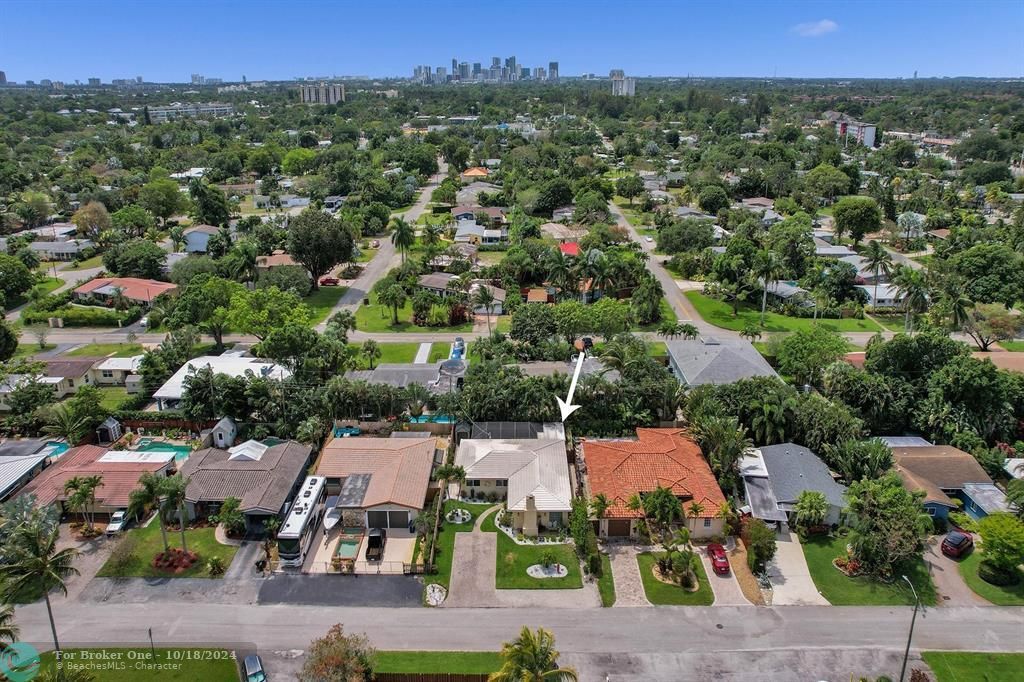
181,452
56,448
348,548
431,419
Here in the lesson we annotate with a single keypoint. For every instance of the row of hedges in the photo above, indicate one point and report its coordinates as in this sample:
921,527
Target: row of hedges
83,316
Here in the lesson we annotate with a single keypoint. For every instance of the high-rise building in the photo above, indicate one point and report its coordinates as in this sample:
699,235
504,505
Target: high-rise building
94,82
197,79
524,73
3,78
513,69
622,86
138,80
495,62
477,70
442,75
464,71
324,93
455,67
243,78
552,71
539,74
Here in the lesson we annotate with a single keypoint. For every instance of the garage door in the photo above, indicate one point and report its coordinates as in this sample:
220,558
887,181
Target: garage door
618,528
387,519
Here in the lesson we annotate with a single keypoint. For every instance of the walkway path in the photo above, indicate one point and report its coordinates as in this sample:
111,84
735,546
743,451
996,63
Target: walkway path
791,579
422,353
629,587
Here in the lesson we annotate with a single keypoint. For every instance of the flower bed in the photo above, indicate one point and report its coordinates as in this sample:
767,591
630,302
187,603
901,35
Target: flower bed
174,560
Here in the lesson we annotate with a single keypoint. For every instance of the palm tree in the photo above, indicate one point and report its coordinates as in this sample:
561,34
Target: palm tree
484,298
416,396
618,356
694,512
8,630
33,564
957,304
668,329
769,268
371,351
148,494
725,442
89,486
531,658
393,297
76,495
599,505
65,424
913,290
878,260
403,236
769,420
174,488
688,331
432,235
811,508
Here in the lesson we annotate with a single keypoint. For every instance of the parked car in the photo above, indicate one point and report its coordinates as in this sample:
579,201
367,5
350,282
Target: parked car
144,322
375,244
459,342
375,541
254,671
649,239
719,561
329,281
118,521
957,544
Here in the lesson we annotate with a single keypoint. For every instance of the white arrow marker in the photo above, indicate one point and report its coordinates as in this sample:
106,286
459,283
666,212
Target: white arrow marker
566,406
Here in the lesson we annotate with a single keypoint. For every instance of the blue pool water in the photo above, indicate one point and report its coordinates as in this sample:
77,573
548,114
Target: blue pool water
181,452
56,447
431,419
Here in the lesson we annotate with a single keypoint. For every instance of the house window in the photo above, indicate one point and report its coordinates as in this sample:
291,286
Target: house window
707,523
473,482
71,383
930,510
501,483
108,374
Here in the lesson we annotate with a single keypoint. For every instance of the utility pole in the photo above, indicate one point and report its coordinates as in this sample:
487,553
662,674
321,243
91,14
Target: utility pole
910,636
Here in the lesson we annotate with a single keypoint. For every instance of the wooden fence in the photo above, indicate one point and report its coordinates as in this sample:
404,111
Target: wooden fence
430,677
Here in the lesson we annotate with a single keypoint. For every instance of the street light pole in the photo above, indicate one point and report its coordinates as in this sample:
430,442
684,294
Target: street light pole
910,636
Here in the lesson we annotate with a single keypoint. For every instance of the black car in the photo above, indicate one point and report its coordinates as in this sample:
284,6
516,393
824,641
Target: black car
375,541
254,671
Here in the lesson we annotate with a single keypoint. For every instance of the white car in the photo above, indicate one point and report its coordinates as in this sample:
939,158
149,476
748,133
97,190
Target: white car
649,239
118,521
144,321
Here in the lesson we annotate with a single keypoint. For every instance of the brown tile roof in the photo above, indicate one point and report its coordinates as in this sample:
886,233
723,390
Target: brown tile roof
476,172
274,260
399,467
659,457
932,492
69,367
119,478
943,466
132,287
537,296
262,485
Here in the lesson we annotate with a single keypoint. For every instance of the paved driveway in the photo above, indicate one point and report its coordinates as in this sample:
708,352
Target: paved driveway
791,579
629,587
727,591
952,589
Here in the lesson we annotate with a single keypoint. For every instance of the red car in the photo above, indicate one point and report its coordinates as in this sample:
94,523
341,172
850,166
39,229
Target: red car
719,561
957,544
329,281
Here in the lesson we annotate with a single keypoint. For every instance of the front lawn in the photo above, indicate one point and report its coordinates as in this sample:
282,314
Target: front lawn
606,583
445,547
439,352
322,301
719,313
663,594
103,350
437,662
113,396
667,315
389,353
891,321
94,262
180,663
840,590
959,666
513,560
1012,346
1009,595
27,350
148,544
46,286
377,318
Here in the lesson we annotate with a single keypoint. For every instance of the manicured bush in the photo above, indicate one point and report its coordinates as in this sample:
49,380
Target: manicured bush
995,575
82,316
594,565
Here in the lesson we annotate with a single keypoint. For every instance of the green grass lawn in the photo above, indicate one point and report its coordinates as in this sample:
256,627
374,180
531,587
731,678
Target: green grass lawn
186,664
389,353
1012,346
862,591
200,540
102,350
377,318
513,560
366,255
46,286
667,315
606,584
719,313
27,350
663,594
94,262
113,396
961,666
489,524
1009,595
490,257
445,548
323,300
657,348
893,322
439,352
455,662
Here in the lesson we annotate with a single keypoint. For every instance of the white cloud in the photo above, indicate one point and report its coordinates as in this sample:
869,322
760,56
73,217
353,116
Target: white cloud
815,29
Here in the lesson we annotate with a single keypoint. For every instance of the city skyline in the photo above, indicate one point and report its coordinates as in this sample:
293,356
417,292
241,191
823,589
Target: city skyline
786,39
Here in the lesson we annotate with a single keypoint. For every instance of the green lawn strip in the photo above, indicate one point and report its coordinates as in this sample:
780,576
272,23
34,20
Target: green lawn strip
1008,595
960,666
445,547
323,300
113,396
663,594
102,350
377,318
366,255
657,349
667,315
47,286
200,540
436,662
894,323
389,353
439,352
27,350
183,663
489,524
606,584
1012,346
840,590
514,559
719,313
94,262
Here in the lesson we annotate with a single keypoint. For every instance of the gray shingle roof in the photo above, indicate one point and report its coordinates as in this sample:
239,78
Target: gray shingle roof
712,361
793,469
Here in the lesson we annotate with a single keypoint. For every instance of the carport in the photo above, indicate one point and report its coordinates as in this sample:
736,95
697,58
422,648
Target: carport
387,518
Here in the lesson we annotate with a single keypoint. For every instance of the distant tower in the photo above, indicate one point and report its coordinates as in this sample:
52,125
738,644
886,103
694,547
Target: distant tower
243,78
3,78
552,71
915,74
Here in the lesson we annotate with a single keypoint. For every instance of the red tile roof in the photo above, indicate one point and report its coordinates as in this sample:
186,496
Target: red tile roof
570,249
476,172
119,478
659,457
132,287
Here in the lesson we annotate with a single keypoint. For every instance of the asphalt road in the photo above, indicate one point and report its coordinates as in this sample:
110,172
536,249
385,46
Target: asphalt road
342,590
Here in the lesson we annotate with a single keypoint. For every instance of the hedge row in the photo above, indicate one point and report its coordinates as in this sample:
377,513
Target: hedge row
83,316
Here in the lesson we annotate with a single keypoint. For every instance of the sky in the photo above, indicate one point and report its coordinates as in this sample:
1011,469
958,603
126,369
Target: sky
263,39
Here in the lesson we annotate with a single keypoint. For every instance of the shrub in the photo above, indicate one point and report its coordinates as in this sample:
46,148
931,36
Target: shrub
594,565
548,558
995,575
940,525
82,316
216,566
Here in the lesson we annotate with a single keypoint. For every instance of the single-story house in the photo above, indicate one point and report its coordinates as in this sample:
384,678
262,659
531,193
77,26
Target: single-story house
563,213
263,476
119,469
532,475
169,395
496,214
823,249
944,473
563,233
197,238
889,296
668,458
437,377
788,291
114,371
20,461
468,195
510,430
137,291
384,481
275,260
333,202
864,274
61,251
475,173
56,232
65,375
437,282
710,360
687,212
539,295
545,368
463,251
775,475
469,231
